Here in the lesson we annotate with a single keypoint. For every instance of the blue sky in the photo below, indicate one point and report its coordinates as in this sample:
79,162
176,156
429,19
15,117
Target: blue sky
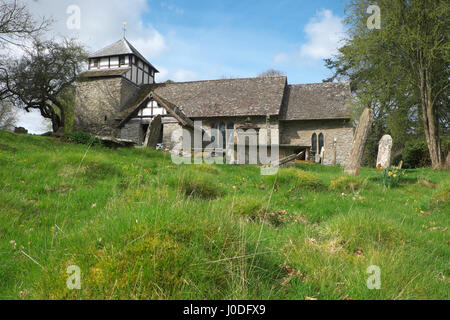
200,40
212,39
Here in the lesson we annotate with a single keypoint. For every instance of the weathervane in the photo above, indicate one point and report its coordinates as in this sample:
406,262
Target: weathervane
125,28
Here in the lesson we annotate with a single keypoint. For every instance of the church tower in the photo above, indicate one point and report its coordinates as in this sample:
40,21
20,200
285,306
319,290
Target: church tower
114,76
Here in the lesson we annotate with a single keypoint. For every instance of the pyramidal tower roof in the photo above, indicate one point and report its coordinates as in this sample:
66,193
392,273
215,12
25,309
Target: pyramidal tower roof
121,47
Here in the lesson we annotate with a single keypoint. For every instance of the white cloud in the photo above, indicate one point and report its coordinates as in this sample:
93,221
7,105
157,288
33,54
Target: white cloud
324,32
152,45
33,122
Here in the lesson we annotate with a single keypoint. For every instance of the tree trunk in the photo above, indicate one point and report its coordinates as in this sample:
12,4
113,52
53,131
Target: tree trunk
430,121
56,124
58,121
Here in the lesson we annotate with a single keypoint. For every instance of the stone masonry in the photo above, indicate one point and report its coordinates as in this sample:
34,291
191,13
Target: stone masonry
97,103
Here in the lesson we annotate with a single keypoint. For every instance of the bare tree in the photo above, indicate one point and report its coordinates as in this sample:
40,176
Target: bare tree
39,79
271,73
17,24
8,116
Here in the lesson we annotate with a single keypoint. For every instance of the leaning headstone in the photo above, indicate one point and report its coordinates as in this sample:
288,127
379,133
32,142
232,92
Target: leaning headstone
384,152
353,166
153,133
322,155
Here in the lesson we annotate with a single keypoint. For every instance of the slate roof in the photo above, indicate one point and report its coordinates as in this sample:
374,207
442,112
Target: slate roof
217,98
121,47
319,101
105,73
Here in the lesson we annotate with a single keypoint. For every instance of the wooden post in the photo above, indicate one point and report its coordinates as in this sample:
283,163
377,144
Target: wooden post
353,166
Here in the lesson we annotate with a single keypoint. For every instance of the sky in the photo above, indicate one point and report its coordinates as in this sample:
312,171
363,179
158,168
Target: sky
188,40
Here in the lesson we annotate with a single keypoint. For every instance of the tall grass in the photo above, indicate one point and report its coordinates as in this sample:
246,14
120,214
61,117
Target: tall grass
140,227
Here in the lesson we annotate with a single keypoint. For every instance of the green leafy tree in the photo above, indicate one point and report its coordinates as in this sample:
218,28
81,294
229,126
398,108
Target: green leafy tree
401,70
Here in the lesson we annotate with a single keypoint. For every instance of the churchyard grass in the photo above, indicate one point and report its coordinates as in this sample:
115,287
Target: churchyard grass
140,227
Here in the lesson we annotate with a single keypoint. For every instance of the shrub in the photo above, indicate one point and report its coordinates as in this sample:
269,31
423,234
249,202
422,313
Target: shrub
200,186
346,184
416,155
84,138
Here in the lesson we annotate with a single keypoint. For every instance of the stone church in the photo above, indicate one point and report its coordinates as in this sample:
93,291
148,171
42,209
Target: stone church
118,97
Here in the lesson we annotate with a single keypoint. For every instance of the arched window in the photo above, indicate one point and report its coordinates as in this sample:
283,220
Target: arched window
314,143
214,132
223,135
321,142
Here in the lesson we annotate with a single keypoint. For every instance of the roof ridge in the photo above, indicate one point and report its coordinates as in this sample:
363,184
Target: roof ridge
319,83
127,44
105,48
220,80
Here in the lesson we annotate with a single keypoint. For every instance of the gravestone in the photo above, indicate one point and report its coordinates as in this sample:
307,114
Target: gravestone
384,152
153,133
322,155
353,166
20,130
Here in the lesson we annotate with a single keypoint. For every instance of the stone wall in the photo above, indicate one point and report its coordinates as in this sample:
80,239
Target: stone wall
300,133
133,131
98,101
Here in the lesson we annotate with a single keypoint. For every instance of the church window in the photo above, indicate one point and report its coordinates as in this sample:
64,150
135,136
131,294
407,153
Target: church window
321,142
223,135
314,143
214,132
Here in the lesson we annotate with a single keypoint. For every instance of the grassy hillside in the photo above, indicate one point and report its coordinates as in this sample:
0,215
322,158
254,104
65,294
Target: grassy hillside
140,227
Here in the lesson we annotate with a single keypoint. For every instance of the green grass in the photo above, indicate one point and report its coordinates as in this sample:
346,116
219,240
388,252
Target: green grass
140,227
